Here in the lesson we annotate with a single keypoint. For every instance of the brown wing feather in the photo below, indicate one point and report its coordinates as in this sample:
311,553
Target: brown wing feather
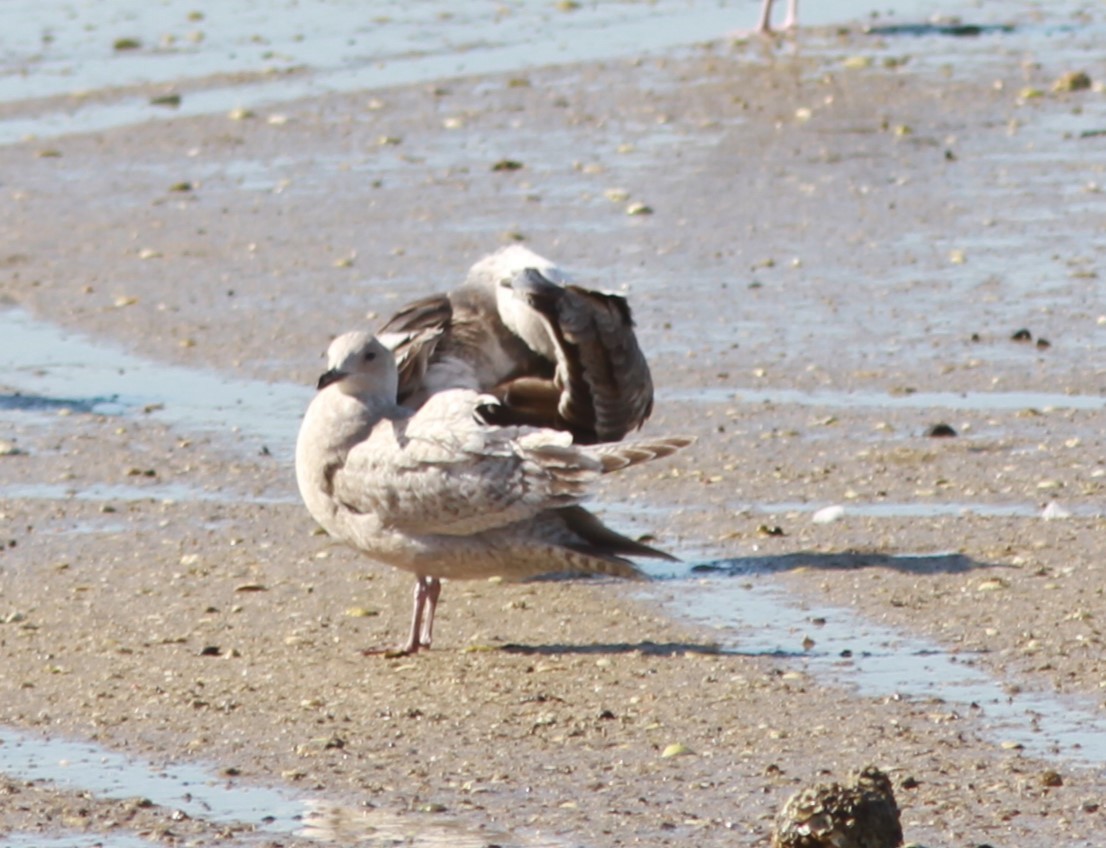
606,387
423,324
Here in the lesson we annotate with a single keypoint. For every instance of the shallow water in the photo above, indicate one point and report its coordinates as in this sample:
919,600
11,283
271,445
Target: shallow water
72,840
937,509
976,401
752,616
317,47
162,492
201,794
49,368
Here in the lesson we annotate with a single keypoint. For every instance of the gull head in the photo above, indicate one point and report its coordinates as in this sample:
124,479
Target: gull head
359,365
511,297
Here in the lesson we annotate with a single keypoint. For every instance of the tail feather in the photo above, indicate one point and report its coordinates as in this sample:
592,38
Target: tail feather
617,456
597,539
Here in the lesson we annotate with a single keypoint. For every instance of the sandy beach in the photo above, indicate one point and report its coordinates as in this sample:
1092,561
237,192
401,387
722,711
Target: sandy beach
828,249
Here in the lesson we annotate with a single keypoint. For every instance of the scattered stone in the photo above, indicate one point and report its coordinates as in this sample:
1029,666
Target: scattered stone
770,530
171,100
1072,81
507,165
829,514
1051,778
361,612
1054,511
940,431
995,584
1022,335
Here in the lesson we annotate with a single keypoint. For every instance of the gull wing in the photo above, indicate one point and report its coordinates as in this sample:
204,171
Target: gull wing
442,471
602,388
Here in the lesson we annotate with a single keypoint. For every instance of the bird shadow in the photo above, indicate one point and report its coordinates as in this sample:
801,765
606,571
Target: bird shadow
949,30
646,648
848,560
744,567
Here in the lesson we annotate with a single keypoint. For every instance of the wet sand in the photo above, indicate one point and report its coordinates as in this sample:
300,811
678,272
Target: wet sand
814,226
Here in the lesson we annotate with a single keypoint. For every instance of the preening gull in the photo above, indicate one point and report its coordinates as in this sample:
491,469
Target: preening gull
441,493
553,353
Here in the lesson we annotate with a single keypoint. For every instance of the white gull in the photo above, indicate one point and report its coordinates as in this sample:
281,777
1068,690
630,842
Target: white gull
553,353
442,494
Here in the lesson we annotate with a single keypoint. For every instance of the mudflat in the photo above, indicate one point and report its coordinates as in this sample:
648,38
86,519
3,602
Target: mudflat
828,251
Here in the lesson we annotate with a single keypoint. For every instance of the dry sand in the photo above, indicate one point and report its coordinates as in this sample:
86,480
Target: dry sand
227,632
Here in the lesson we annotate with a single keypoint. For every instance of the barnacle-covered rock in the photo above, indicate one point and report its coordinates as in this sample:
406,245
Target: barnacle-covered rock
831,815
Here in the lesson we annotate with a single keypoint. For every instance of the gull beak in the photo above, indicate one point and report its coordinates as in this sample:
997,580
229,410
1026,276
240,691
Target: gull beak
331,376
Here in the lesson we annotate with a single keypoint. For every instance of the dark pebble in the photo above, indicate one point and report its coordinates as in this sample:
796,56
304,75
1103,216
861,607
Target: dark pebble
940,431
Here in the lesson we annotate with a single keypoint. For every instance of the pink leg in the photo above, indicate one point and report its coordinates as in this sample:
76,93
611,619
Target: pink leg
417,614
427,592
433,592
764,25
792,19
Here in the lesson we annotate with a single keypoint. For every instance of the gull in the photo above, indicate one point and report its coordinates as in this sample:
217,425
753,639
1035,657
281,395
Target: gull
764,25
553,353
441,493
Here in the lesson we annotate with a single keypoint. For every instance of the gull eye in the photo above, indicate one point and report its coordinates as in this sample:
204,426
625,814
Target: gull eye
370,355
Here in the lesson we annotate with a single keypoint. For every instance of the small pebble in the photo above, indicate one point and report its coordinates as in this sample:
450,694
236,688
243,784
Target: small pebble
829,514
1051,778
940,431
